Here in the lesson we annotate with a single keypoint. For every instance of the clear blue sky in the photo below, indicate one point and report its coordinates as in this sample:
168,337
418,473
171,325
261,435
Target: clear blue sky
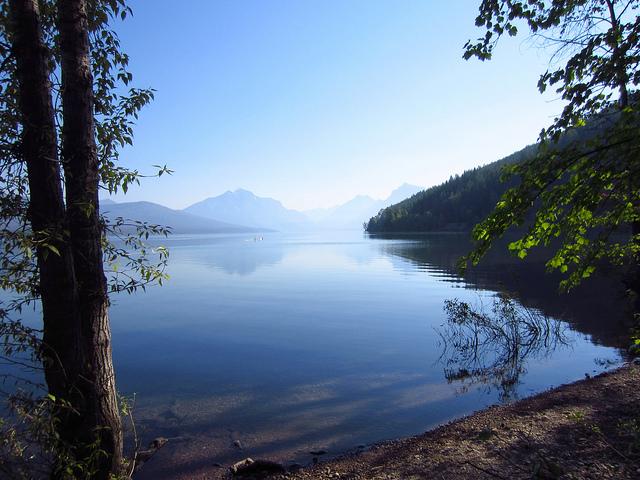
314,101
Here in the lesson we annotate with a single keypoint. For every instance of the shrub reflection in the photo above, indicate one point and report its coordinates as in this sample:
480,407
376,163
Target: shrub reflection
491,348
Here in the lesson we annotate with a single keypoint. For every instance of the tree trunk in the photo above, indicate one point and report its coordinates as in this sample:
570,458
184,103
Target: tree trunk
618,57
632,280
632,277
39,150
80,163
77,338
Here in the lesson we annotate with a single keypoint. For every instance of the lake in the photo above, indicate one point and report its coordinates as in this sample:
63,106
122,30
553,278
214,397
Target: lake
276,346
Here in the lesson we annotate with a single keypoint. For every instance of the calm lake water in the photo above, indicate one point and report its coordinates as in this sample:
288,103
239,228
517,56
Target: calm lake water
299,343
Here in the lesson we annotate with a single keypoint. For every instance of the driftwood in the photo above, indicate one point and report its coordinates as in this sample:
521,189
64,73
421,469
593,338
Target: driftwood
145,455
250,467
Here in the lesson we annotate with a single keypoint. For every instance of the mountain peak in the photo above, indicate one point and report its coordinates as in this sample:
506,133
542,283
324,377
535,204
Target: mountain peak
407,187
404,191
244,207
243,192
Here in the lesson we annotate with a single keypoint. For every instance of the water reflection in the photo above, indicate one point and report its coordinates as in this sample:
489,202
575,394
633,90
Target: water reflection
492,348
300,343
242,258
597,308
233,254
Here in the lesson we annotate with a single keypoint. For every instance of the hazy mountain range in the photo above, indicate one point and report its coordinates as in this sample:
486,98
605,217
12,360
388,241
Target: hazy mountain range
179,220
244,208
242,211
358,210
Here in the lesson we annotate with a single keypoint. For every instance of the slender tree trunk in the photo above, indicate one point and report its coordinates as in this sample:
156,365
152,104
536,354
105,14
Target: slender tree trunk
632,280
618,57
80,163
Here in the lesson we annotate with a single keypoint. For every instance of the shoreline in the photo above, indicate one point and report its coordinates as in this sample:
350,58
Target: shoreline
586,429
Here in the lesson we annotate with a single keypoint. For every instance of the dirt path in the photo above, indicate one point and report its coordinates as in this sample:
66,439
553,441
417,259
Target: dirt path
585,430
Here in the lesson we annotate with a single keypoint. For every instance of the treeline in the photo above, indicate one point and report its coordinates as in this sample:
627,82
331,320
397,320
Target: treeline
456,205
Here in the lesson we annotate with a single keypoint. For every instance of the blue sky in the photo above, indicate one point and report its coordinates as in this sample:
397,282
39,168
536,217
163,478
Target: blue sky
312,102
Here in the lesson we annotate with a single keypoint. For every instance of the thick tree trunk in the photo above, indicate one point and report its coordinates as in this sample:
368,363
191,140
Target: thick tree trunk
80,163
77,339
58,292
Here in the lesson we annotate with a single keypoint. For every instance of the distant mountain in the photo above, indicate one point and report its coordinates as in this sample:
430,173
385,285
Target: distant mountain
179,221
401,193
353,213
456,205
349,214
243,207
242,211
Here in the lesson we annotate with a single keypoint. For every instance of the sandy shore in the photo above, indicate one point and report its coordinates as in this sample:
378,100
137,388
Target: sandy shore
585,430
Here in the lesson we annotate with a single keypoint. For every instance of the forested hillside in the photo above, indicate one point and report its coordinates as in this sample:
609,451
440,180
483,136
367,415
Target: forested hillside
456,205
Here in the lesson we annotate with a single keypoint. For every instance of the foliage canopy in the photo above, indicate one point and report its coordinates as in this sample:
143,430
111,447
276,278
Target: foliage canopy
583,186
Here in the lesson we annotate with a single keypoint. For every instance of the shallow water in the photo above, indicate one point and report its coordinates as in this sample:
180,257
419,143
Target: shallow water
299,343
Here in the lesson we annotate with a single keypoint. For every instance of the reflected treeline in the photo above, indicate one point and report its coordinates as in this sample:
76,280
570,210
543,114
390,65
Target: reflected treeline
597,308
492,347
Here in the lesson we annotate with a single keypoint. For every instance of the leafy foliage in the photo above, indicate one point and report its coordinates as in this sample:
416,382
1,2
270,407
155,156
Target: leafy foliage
116,108
582,187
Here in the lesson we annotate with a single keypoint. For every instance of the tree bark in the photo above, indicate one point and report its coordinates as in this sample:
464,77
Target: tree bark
80,161
618,57
632,280
46,214
77,338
